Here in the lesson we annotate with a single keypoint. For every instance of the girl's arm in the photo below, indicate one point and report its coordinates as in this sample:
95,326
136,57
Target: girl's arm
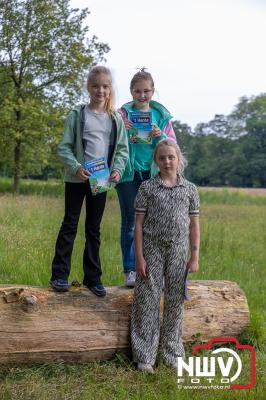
82,174
121,154
65,147
141,268
115,177
124,116
167,133
169,130
194,235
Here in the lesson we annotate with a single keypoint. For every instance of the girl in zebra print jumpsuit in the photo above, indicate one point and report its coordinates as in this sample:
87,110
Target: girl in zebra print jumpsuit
167,210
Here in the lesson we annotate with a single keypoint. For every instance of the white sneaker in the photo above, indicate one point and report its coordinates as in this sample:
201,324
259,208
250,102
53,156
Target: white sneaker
130,279
146,368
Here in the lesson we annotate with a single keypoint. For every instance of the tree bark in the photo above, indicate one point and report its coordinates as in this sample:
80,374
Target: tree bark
17,166
40,325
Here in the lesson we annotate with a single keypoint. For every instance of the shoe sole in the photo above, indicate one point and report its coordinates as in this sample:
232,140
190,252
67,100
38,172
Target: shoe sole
59,289
97,293
131,286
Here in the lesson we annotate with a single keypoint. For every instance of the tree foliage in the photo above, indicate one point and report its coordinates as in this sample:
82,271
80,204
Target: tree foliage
233,154
44,53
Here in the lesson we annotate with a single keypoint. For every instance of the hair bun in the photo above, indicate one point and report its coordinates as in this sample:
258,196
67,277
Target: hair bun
141,74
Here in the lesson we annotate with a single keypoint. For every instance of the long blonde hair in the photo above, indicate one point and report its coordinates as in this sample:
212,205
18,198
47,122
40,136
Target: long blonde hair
182,162
100,69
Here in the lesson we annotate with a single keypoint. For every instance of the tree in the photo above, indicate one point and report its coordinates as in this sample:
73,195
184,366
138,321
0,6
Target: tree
219,126
249,108
43,57
183,134
250,114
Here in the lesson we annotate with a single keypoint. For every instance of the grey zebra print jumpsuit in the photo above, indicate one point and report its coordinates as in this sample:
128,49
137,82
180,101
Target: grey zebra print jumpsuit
165,248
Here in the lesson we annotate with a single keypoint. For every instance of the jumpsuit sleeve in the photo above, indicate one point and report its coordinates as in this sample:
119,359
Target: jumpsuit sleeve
141,201
194,203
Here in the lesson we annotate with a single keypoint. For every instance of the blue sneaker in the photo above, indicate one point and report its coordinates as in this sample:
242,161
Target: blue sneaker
98,290
60,285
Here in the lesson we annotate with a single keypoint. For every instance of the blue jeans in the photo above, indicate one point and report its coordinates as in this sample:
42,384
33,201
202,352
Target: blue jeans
127,192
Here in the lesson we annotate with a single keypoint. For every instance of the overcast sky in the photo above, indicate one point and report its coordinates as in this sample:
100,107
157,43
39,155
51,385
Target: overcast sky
203,54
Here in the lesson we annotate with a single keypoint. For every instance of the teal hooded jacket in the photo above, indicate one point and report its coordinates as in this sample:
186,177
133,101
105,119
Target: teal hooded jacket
71,146
164,121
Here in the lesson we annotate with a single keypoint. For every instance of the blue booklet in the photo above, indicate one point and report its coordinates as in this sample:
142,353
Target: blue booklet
99,175
141,127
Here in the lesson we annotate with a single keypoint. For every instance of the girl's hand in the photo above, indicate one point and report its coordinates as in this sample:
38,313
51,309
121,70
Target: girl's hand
193,266
114,177
141,267
82,174
132,139
128,123
156,131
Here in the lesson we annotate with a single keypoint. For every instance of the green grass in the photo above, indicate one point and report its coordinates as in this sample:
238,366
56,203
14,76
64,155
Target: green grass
111,380
54,187
232,247
225,196
51,187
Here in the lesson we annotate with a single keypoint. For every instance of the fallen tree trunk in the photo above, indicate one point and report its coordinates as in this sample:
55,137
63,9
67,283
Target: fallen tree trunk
40,325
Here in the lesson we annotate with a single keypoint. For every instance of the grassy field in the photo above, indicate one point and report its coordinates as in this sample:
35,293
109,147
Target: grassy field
232,247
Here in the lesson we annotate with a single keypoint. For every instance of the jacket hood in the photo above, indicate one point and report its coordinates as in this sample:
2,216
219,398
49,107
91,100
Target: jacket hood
153,104
78,107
